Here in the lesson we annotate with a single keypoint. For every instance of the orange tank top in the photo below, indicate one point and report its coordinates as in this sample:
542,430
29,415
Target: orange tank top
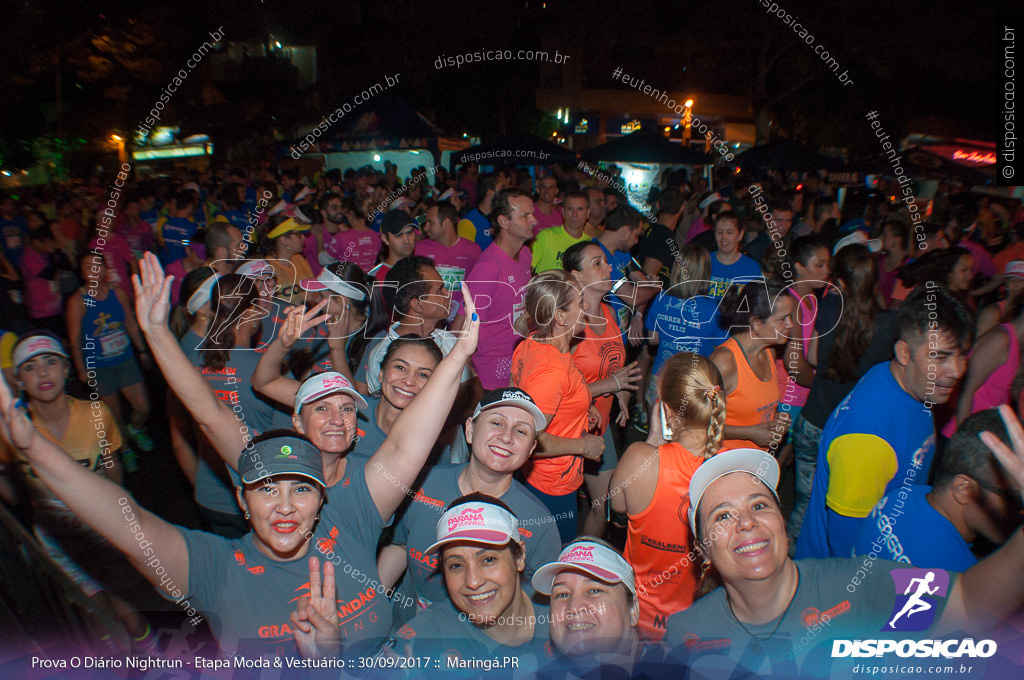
753,401
597,357
659,544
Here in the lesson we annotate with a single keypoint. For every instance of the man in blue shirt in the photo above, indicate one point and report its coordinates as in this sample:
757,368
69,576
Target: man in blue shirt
623,228
177,230
476,225
880,439
13,231
933,528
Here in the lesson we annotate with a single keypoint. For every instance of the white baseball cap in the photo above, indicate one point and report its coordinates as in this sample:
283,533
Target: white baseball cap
328,280
588,556
34,345
477,522
202,295
858,236
323,384
755,461
1015,269
255,269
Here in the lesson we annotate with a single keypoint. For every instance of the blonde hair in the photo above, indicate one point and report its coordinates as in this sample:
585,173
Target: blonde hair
691,272
691,389
547,293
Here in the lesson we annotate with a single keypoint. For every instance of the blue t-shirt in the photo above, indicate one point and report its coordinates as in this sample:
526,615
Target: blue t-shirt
619,261
684,326
482,228
743,270
877,441
237,218
904,527
177,234
151,216
13,239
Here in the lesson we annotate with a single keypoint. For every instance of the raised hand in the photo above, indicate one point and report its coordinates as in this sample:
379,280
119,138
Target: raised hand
299,321
15,427
152,294
469,335
1011,460
337,326
315,622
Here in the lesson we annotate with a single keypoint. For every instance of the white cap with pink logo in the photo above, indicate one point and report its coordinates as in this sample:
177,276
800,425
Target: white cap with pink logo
476,522
591,557
324,384
34,345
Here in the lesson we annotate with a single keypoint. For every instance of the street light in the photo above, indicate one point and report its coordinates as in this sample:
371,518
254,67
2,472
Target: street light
687,119
119,141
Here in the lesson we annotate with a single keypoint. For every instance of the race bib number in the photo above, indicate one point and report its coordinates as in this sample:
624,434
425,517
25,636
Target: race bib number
452,276
114,344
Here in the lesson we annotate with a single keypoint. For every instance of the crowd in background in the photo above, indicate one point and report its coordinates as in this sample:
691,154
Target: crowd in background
501,395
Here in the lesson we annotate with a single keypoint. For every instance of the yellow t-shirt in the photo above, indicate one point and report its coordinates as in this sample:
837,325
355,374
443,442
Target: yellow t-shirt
549,246
92,438
7,342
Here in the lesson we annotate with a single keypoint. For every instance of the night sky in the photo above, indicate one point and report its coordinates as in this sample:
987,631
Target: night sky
923,65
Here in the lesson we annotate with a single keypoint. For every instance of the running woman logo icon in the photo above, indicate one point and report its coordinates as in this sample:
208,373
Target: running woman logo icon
922,590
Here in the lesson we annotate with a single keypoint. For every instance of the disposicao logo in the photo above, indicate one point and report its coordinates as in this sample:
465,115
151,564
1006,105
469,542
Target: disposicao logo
921,589
918,592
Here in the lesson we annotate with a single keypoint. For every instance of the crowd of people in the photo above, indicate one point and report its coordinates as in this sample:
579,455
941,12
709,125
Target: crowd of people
502,414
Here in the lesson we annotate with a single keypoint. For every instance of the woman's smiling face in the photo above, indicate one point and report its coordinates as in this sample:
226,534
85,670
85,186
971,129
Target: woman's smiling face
405,374
282,511
741,521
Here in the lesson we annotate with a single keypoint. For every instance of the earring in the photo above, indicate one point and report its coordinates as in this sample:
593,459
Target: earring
704,569
247,514
317,517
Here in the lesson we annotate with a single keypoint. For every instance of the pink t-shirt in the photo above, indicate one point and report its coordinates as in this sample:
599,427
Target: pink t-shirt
545,221
177,268
452,263
138,235
996,388
117,254
697,227
42,296
982,262
310,253
359,246
498,284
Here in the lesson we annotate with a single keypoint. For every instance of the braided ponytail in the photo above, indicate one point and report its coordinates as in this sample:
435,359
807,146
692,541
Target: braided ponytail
716,424
690,387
